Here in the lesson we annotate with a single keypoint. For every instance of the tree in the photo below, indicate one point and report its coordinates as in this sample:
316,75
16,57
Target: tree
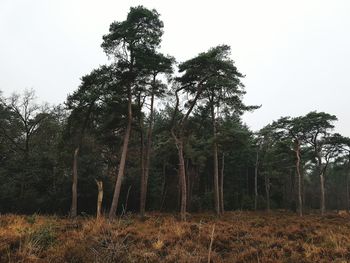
316,128
223,92
82,103
30,133
25,115
267,143
126,42
291,129
258,146
199,74
339,147
152,64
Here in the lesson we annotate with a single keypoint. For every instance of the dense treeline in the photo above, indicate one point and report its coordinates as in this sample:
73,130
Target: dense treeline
148,133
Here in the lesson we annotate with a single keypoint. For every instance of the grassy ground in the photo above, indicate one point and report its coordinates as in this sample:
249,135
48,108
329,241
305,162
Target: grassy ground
236,237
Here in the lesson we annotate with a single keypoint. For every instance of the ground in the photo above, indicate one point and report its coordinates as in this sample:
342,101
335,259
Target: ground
235,237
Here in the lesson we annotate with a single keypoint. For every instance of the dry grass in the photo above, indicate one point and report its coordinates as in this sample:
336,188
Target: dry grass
238,237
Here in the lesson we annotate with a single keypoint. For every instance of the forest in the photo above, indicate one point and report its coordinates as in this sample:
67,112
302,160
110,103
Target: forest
147,134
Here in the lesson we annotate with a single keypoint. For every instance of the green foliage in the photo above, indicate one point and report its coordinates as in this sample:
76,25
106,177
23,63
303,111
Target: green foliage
37,141
31,219
44,236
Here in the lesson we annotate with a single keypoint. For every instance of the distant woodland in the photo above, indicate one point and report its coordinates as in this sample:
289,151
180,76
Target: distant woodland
148,133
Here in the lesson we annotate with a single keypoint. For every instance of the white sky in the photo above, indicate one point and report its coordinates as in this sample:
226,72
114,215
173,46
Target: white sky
295,53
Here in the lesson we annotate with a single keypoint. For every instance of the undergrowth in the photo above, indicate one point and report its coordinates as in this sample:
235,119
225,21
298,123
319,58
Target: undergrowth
238,237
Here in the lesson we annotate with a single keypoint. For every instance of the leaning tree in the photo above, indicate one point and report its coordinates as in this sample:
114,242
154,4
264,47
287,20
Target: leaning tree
126,42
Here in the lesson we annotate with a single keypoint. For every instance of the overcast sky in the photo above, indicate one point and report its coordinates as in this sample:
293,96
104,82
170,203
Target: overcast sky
295,53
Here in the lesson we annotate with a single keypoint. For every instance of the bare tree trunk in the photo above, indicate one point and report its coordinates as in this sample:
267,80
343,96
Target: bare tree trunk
188,186
247,180
73,211
164,188
182,174
321,171
179,144
256,181
267,190
75,163
297,153
99,198
113,210
323,205
216,163
127,200
222,208
179,190
147,159
347,192
143,188
302,184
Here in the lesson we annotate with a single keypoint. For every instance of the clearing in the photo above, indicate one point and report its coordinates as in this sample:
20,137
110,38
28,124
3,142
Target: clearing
238,237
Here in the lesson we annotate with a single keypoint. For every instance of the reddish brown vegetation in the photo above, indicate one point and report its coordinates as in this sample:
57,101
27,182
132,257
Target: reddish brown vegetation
238,237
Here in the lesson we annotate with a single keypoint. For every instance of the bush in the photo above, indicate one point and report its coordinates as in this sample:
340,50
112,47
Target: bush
44,236
31,219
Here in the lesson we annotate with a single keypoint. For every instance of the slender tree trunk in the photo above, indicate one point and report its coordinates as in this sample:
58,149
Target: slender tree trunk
222,208
163,198
323,205
247,180
179,144
127,200
267,190
179,190
188,186
182,175
216,163
164,187
73,211
99,198
113,210
302,184
256,181
74,204
147,159
322,188
348,191
142,162
297,153
26,164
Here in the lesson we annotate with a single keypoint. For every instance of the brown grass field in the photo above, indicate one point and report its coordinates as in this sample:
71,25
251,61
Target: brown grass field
235,237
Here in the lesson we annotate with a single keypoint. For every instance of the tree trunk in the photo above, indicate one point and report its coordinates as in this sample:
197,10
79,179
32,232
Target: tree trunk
216,163
347,192
142,159
164,188
179,144
297,153
322,205
147,160
188,186
127,200
99,198
75,162
321,171
73,211
256,181
222,207
267,190
113,210
182,176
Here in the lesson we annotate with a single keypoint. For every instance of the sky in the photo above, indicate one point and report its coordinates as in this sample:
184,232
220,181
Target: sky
295,54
